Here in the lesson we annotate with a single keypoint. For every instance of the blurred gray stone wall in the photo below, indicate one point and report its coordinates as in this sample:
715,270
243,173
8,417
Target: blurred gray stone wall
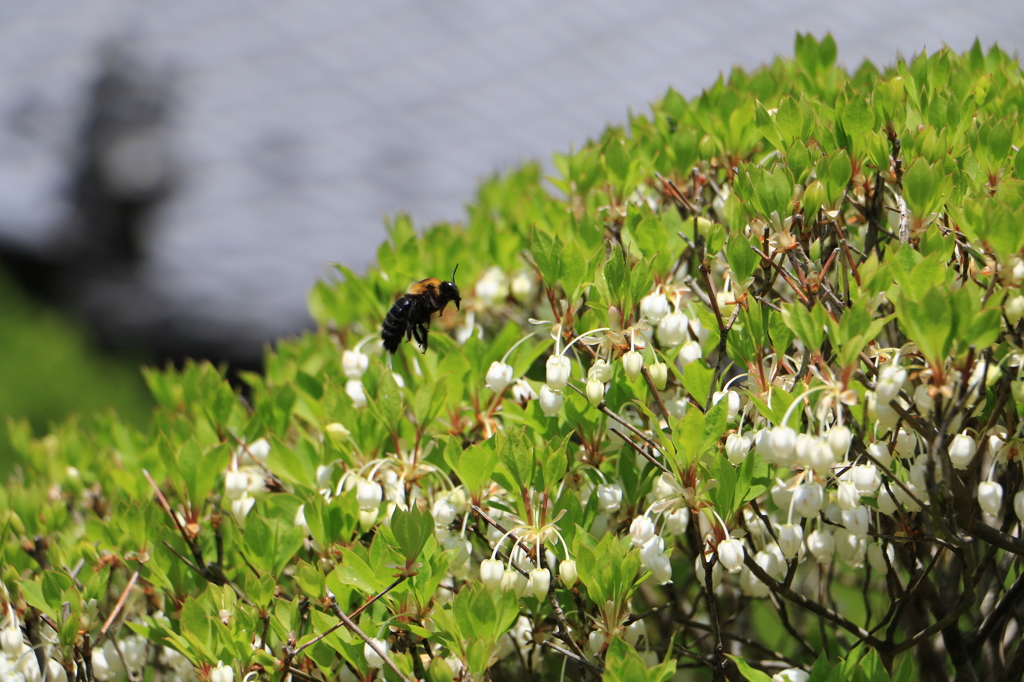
293,126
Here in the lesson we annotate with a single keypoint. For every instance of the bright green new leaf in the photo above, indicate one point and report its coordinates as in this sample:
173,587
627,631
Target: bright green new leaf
857,117
617,160
809,326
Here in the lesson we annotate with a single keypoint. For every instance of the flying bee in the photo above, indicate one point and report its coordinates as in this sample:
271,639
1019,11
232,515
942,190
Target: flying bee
410,315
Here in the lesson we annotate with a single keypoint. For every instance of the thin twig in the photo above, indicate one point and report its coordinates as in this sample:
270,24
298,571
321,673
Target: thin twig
120,602
644,453
657,397
336,610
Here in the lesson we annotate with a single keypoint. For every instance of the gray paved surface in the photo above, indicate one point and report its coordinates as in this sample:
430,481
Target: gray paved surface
298,124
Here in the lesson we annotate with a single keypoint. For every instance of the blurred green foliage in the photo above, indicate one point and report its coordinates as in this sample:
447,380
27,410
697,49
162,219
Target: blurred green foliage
50,369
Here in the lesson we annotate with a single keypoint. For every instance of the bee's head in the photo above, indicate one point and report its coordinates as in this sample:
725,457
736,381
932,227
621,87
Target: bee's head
450,291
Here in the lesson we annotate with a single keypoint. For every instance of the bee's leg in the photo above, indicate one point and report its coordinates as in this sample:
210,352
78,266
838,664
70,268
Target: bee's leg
420,334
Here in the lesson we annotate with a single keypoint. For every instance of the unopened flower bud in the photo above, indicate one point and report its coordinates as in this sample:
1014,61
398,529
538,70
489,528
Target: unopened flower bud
595,392
337,431
369,495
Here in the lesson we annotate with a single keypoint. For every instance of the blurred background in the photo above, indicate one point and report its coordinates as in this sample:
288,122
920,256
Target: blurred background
175,174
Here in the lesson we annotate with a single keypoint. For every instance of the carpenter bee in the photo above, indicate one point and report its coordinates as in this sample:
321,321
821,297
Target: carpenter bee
410,315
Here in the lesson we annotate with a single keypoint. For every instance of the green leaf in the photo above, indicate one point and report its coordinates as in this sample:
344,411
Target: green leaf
697,378
749,673
623,663
32,592
799,161
716,239
616,274
809,326
780,334
412,529
920,187
651,238
517,458
857,117
839,172
475,465
573,268
617,160
389,400
544,255
715,422
790,120
767,126
929,324
723,496
687,436
742,258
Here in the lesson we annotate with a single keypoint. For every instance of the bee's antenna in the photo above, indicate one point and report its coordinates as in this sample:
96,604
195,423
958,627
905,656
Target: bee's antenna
453,272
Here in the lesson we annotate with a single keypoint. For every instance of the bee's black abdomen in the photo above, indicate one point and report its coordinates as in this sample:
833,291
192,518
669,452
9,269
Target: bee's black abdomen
395,324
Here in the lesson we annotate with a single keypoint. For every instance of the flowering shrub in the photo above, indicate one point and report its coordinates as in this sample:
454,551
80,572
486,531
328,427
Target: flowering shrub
740,397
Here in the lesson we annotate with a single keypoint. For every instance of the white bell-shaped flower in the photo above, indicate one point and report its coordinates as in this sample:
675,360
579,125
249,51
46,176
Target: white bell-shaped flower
730,553
654,307
632,364
990,497
550,401
961,450
558,371
821,545
499,375
672,329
